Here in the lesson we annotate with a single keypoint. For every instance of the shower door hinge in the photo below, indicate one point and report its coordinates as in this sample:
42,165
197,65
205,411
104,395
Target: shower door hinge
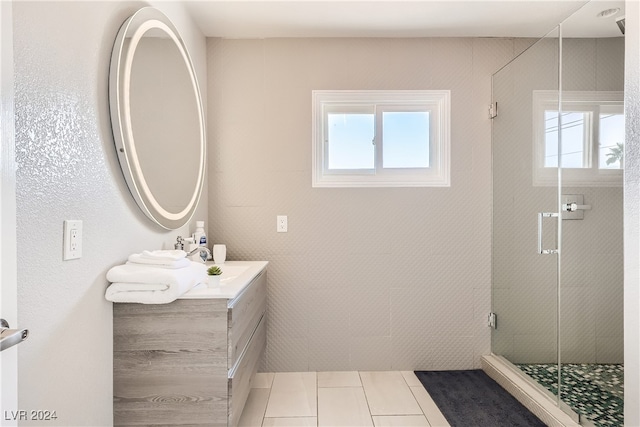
493,320
493,110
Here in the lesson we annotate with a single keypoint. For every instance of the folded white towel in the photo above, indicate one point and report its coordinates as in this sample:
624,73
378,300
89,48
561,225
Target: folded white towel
152,285
137,259
163,255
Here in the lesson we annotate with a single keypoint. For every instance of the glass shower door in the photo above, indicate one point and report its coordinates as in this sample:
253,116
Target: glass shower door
525,283
591,276
558,156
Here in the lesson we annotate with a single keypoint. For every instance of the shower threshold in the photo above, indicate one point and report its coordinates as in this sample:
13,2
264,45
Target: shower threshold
533,396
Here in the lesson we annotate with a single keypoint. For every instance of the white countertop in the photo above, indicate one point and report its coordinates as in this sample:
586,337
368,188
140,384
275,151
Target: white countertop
236,275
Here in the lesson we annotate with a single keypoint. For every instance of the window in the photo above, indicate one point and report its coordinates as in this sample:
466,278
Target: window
591,125
381,138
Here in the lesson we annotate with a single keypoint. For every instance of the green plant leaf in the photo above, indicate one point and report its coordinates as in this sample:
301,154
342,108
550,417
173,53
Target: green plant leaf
214,270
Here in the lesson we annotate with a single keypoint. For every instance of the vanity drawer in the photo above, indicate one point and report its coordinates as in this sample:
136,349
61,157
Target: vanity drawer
241,377
244,314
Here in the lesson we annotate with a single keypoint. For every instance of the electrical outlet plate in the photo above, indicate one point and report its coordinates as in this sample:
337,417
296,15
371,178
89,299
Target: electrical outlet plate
72,239
281,226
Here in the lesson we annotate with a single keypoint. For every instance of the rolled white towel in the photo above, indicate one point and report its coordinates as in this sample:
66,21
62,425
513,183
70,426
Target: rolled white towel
152,285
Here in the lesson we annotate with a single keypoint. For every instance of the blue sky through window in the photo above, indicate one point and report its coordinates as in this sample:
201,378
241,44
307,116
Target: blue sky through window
405,139
573,139
611,134
350,141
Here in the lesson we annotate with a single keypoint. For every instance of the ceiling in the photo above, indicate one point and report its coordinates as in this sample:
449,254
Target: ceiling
400,18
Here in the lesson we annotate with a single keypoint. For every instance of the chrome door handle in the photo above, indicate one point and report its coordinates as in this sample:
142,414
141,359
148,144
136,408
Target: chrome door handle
10,337
542,215
572,207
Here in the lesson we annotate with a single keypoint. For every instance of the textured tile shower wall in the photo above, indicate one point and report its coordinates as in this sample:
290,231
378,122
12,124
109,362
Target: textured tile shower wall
365,278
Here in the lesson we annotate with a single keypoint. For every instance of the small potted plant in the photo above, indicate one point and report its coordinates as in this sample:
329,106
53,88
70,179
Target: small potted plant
214,273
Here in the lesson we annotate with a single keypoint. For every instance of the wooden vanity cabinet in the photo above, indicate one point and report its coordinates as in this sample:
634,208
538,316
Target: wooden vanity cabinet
190,362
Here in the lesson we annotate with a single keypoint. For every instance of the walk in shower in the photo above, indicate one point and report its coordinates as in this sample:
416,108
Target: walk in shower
558,144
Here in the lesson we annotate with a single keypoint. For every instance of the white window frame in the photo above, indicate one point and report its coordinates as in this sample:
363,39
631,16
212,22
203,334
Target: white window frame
580,101
436,102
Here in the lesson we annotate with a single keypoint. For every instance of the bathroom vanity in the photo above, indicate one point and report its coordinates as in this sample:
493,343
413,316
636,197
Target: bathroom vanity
191,362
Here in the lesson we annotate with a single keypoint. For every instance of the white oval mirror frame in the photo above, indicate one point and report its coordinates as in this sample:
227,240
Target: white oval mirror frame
190,171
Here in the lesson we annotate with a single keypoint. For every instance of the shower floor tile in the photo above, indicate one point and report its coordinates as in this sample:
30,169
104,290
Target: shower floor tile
593,390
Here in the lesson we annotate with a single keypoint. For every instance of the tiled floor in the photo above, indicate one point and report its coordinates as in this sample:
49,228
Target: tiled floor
351,399
593,390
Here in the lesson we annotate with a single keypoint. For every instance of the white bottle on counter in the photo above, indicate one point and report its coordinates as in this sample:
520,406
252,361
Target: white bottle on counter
200,237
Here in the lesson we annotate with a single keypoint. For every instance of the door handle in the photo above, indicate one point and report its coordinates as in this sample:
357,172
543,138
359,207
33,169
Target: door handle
572,207
10,337
542,215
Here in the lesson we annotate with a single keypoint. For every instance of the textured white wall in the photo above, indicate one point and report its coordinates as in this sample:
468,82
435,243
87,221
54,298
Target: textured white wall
68,169
8,282
365,278
632,217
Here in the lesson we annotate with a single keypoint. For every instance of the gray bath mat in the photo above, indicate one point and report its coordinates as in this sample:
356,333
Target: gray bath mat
472,399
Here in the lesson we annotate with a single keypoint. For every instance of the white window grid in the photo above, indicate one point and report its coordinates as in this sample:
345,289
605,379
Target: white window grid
435,102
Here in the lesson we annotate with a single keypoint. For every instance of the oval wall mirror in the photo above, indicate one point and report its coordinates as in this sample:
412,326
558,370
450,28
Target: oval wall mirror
157,118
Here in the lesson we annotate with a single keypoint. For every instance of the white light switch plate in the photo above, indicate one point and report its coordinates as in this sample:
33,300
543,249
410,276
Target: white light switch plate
72,239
